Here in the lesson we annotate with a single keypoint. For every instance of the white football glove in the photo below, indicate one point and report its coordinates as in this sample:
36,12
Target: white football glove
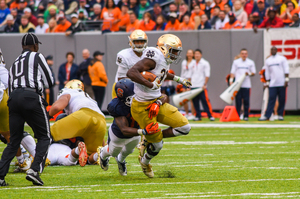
156,84
183,81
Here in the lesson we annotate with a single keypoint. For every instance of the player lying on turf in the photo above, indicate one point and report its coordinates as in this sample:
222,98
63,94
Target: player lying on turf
124,133
62,153
84,119
147,97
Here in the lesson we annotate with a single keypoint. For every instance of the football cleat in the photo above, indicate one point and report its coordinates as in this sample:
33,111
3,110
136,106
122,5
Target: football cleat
104,163
34,177
24,166
138,35
122,167
83,156
143,145
3,183
147,168
170,45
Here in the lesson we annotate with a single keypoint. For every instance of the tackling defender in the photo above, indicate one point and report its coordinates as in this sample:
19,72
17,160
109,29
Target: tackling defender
126,58
147,97
124,133
84,119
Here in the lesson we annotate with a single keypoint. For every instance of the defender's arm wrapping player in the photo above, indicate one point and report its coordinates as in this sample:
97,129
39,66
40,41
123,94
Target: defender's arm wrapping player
124,133
147,97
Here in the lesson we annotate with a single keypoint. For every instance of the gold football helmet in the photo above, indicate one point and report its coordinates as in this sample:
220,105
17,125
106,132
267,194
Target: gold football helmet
75,84
138,35
170,45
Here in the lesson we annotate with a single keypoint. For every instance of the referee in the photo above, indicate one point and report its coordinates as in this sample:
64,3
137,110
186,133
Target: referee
28,75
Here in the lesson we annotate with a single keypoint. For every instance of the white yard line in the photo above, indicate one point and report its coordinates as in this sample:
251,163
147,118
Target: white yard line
226,125
223,142
149,184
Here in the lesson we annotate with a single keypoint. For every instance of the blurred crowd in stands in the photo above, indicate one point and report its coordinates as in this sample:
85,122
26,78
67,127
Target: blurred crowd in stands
71,16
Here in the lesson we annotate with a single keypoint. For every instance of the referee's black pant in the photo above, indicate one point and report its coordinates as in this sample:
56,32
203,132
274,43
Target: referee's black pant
26,106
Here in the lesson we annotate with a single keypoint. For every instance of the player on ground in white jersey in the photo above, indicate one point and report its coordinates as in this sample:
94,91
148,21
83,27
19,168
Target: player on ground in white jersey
147,97
126,58
84,119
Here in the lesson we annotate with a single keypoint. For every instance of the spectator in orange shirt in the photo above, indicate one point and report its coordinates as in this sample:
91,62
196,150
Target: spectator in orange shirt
63,25
254,21
220,3
233,22
204,23
173,23
98,77
16,4
186,24
111,16
196,12
124,17
134,22
147,24
286,16
160,23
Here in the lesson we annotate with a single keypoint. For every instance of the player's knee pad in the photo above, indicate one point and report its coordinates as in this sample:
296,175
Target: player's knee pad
182,130
61,116
154,148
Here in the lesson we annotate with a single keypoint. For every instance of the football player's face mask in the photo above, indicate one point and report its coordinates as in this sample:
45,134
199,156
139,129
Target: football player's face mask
139,45
171,47
128,101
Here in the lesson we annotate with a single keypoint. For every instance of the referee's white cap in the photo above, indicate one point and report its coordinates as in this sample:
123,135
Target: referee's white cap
30,39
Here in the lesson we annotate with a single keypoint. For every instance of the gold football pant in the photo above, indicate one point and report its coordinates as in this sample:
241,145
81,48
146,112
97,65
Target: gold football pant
113,92
85,123
4,115
168,115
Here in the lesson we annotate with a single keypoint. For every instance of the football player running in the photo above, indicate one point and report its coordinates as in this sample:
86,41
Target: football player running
84,119
147,97
126,58
124,133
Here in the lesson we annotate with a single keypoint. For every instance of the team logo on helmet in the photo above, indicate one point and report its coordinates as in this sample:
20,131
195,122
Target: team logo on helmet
120,92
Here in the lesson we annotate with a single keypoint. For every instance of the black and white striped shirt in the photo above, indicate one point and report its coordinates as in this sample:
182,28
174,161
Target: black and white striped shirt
30,70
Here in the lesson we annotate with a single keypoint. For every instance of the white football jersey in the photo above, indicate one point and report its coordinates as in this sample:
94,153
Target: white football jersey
2,88
240,67
276,68
4,75
79,99
143,93
125,60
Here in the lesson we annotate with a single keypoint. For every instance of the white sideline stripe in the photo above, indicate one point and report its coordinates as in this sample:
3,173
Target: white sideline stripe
223,143
147,184
196,195
233,125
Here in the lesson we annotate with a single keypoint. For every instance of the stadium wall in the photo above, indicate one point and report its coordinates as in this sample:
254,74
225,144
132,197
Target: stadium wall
219,48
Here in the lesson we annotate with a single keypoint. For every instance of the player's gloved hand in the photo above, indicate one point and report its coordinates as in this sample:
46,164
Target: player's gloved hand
186,82
153,109
183,81
156,84
151,129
